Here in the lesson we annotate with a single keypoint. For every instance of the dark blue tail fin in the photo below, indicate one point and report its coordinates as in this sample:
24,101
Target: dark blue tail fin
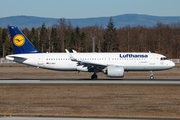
20,43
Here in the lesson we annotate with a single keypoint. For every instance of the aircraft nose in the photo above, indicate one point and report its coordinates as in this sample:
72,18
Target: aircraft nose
172,64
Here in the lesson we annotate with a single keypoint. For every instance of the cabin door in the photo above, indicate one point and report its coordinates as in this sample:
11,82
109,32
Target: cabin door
151,59
40,60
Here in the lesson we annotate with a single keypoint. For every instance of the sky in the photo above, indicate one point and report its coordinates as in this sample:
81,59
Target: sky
88,8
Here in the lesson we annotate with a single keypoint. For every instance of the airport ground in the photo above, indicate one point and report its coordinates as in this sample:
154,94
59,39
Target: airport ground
134,101
22,71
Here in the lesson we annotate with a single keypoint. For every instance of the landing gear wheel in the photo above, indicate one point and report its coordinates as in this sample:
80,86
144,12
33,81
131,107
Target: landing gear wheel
151,77
94,77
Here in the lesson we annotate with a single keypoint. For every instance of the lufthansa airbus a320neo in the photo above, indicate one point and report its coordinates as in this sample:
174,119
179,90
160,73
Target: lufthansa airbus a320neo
112,64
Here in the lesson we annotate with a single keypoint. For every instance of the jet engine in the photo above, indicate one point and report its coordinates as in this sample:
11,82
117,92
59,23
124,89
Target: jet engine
115,71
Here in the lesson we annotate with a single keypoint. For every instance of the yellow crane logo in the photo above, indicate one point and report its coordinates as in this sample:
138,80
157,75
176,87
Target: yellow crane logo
19,40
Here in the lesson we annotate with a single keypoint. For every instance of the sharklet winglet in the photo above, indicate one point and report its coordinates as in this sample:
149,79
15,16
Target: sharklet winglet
70,56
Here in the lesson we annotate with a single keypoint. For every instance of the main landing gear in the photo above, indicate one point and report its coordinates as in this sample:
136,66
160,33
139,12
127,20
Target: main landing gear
94,76
151,75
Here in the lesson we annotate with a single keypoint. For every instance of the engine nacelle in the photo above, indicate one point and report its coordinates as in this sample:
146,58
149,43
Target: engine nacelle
115,71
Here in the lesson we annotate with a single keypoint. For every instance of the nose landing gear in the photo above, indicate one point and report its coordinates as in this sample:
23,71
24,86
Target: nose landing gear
151,75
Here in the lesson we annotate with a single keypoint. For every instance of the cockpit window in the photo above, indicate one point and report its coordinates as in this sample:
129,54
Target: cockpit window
164,58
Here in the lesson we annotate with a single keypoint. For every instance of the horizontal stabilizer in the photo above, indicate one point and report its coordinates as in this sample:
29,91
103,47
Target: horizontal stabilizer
13,57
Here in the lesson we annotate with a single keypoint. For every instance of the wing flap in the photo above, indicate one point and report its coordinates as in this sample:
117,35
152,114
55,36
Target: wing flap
89,63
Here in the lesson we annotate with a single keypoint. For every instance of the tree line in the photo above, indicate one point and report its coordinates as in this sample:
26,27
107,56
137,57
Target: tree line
161,38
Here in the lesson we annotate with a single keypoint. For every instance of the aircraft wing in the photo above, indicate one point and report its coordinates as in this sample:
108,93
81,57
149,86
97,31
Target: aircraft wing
86,63
89,63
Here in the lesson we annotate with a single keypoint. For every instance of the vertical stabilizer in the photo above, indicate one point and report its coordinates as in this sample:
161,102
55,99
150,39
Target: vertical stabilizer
20,43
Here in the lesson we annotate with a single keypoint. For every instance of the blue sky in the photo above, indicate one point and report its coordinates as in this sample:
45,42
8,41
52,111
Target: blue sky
88,8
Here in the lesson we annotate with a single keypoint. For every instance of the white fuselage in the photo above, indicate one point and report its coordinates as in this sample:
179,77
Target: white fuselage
62,62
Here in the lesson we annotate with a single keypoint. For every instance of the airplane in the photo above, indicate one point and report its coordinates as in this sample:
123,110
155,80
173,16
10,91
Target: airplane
112,64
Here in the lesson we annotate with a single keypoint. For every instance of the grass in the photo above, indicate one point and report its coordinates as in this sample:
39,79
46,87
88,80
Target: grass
135,101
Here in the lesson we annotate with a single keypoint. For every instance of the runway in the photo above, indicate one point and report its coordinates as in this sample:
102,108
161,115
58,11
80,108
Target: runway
88,81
